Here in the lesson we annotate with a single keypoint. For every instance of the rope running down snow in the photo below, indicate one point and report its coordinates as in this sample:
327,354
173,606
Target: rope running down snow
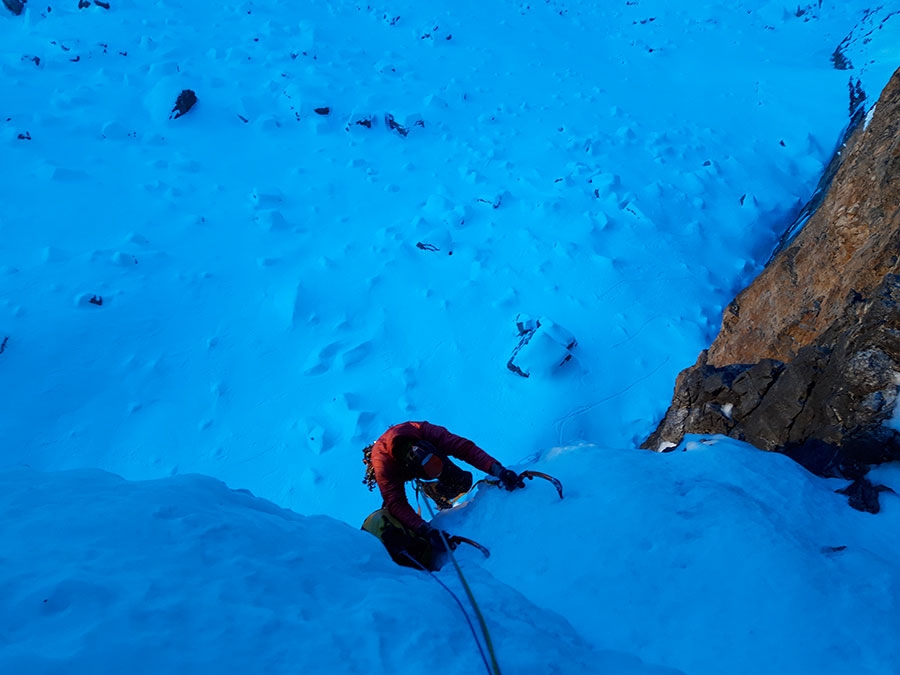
495,667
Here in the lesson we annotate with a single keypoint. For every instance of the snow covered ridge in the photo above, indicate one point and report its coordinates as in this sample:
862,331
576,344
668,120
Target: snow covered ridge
717,540
186,575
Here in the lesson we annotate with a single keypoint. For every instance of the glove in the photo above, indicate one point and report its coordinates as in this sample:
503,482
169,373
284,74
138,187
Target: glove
434,538
510,480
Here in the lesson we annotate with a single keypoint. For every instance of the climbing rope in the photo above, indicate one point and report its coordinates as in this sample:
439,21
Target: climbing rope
494,668
458,602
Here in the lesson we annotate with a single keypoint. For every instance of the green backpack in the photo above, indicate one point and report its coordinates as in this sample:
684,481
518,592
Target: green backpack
399,540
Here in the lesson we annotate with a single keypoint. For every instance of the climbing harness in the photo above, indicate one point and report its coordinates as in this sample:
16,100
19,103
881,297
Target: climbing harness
455,540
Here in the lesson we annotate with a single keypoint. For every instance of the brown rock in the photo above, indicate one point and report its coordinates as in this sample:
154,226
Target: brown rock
808,356
849,244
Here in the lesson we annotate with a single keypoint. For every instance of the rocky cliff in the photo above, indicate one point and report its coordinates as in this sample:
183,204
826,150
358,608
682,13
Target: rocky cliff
807,361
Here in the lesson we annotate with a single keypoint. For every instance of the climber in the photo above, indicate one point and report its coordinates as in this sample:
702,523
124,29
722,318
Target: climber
420,451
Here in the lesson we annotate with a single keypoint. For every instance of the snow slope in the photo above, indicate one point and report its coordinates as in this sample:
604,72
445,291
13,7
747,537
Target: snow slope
266,310
184,575
712,558
255,290
715,558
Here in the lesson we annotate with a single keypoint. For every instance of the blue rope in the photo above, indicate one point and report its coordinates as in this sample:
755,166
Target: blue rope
495,670
458,602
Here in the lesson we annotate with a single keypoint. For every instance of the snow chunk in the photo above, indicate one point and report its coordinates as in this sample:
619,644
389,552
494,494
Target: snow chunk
543,347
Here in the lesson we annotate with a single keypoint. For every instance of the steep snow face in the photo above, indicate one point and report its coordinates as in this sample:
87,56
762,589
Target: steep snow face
713,558
186,575
257,289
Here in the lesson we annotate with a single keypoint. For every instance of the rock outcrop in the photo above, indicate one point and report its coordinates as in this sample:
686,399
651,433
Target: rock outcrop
808,358
15,6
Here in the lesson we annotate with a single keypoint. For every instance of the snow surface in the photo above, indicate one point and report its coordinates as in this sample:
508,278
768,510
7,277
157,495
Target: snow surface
254,291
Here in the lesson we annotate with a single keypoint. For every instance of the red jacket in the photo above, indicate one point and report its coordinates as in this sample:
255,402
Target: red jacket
391,476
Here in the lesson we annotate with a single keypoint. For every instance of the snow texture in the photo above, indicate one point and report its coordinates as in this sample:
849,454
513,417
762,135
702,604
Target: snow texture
340,234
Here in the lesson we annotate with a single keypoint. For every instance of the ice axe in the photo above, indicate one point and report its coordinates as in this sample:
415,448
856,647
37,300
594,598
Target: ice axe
530,475
538,474
455,540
